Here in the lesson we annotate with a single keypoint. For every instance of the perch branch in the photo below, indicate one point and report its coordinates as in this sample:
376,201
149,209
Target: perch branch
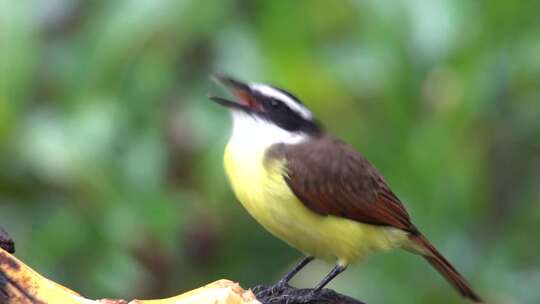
19,284
291,295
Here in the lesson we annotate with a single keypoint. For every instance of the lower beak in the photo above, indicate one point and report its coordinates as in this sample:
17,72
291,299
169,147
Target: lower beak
240,90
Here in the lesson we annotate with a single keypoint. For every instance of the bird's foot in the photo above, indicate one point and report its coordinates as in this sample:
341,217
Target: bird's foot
311,296
285,294
262,291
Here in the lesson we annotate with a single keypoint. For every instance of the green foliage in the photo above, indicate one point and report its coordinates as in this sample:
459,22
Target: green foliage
110,153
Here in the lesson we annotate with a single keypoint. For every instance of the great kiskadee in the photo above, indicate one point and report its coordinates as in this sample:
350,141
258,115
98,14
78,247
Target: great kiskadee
312,190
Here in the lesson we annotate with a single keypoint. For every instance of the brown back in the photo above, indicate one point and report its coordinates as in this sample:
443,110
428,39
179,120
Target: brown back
331,178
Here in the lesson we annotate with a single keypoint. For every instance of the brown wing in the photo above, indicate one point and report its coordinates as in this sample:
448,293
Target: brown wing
331,178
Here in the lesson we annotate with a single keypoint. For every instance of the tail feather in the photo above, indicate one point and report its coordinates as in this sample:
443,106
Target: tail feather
439,262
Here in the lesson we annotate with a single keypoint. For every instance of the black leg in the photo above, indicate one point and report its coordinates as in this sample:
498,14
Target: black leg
302,296
296,269
337,270
263,291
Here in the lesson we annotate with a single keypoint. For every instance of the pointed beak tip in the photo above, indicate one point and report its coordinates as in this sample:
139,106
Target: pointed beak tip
222,79
216,77
213,97
240,90
229,82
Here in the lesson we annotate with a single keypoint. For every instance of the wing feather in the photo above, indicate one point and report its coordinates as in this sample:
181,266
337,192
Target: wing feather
331,178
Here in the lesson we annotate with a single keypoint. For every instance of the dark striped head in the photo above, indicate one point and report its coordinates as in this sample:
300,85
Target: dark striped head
272,104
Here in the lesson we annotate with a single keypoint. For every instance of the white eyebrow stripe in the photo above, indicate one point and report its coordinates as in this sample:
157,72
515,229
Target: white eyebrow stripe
270,91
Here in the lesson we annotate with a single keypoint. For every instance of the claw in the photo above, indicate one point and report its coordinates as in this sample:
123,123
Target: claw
267,291
296,299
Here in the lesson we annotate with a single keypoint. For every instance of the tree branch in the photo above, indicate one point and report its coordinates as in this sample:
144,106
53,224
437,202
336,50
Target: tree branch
19,284
6,242
291,295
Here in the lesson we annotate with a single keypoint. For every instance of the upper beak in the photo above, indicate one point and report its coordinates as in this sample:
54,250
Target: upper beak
240,90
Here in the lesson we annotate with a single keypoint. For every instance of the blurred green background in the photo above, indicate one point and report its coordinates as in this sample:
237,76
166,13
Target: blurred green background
111,178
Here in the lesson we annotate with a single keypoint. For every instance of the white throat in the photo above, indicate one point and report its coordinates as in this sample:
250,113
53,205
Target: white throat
253,133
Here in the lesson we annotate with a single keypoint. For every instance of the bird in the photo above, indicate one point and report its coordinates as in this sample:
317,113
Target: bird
311,189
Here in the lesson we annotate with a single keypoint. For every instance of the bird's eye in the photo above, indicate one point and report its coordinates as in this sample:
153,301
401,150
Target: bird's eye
274,103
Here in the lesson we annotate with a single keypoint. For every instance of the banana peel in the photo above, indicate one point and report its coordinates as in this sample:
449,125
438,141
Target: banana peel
19,284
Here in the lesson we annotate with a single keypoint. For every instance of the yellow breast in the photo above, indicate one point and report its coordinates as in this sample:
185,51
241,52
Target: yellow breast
262,190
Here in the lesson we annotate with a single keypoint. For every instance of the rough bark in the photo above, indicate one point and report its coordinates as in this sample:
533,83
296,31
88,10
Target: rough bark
19,284
291,295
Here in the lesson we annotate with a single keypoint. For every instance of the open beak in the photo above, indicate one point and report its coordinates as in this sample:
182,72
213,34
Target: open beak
244,97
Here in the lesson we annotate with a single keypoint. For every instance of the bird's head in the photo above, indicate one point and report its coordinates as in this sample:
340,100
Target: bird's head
268,105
